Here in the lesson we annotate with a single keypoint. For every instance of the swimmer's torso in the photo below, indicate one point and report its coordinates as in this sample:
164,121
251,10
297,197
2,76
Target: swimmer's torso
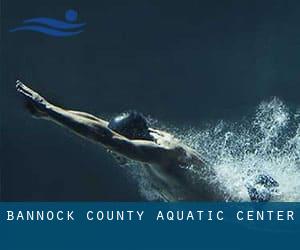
180,183
177,179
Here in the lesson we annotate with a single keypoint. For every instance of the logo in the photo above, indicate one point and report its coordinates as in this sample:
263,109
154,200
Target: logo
53,27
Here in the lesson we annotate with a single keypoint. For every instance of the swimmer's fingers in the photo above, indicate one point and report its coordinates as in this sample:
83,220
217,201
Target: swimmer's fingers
154,135
161,133
154,130
28,93
23,89
37,102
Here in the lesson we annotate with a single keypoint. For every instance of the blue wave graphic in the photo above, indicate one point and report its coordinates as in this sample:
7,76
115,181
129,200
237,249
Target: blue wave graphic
47,31
53,23
55,27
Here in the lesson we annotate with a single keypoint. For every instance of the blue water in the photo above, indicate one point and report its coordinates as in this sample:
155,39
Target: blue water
53,23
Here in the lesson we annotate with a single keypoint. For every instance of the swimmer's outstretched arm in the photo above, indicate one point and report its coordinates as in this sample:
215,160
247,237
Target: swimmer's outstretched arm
95,129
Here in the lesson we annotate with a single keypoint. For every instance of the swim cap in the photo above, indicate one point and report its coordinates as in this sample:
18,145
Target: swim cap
132,125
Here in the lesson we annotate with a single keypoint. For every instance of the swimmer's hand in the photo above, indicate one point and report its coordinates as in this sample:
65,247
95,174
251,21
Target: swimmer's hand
35,103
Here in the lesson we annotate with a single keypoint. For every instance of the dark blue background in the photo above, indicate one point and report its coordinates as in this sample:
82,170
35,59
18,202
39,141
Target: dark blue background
148,233
182,62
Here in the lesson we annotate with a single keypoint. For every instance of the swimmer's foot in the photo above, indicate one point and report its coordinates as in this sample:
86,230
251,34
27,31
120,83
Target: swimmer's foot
34,103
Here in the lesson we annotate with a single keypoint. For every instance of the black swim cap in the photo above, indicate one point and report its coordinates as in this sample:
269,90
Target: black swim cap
132,125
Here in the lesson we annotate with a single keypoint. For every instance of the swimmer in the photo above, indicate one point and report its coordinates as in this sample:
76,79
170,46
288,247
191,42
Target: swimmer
129,136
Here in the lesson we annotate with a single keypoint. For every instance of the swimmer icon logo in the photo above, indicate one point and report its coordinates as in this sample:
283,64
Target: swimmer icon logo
53,27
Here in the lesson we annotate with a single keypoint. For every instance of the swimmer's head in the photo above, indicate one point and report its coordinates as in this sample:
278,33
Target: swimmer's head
132,125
